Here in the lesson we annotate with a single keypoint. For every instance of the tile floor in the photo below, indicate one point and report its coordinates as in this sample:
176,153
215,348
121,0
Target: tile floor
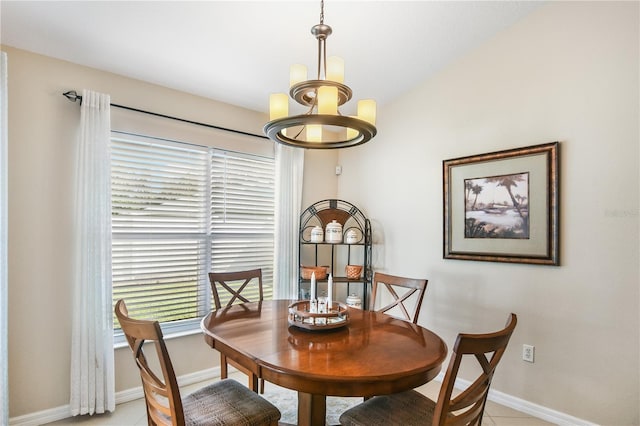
133,413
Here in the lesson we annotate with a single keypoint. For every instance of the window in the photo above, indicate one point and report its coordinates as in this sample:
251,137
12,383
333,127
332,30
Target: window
180,211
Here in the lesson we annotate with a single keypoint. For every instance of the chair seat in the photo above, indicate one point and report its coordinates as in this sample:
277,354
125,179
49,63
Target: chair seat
227,402
400,409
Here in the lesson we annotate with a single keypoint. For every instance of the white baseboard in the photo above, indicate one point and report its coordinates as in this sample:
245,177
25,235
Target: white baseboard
530,408
535,410
63,412
42,417
184,380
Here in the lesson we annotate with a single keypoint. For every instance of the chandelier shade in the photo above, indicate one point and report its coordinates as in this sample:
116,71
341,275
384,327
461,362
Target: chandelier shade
322,126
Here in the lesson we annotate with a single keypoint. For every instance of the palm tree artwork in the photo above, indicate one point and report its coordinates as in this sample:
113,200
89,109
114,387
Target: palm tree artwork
497,206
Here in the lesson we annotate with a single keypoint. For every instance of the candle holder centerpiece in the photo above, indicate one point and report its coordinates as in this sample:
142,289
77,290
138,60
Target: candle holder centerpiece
311,315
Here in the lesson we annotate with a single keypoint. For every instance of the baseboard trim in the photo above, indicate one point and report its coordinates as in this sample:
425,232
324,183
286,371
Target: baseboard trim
535,410
42,417
184,380
63,412
530,408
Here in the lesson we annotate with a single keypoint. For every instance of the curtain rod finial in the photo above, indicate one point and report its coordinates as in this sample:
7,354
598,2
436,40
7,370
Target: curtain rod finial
72,95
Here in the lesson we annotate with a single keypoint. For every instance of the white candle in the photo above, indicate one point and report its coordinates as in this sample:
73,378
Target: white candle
367,110
330,293
335,69
297,74
313,286
328,100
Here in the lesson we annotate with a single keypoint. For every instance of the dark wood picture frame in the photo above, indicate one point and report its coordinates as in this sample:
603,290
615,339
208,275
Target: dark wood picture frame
521,227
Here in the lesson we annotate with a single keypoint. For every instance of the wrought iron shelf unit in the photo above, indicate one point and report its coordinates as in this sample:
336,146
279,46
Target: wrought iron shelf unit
336,255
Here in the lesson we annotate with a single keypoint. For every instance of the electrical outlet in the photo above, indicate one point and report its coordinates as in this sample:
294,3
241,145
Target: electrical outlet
528,353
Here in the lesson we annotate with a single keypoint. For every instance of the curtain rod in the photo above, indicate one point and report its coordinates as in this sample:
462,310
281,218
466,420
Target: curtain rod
73,96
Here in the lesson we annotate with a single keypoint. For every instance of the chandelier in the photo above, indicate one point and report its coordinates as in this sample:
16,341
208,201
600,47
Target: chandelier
322,126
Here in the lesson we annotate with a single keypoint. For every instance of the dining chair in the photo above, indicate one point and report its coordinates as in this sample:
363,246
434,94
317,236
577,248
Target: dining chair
405,305
230,288
225,402
466,408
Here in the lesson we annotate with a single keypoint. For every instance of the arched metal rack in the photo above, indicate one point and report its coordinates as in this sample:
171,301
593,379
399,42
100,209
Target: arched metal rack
351,218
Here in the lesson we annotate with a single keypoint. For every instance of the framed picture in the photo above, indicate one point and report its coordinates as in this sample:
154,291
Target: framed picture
503,206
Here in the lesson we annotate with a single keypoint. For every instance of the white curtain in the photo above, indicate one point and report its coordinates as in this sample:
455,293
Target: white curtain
4,237
92,364
289,174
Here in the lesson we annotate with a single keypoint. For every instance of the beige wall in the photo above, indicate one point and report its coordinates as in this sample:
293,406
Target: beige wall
568,72
320,180
41,135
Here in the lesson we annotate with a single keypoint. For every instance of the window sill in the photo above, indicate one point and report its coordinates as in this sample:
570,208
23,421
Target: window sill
169,331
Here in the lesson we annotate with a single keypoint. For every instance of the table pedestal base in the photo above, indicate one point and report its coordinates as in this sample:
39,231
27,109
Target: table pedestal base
311,409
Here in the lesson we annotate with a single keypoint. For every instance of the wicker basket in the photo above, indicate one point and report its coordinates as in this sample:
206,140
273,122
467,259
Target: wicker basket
353,271
320,271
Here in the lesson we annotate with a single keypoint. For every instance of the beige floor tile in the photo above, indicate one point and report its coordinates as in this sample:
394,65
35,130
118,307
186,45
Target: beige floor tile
133,410
129,413
430,389
494,409
142,422
487,420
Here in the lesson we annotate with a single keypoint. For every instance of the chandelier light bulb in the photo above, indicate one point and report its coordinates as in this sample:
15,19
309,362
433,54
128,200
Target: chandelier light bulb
314,133
297,74
335,69
367,111
351,133
328,100
278,106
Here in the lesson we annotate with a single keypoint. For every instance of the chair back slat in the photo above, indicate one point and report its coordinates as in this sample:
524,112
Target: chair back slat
467,407
229,288
161,392
152,383
470,416
412,292
157,409
473,393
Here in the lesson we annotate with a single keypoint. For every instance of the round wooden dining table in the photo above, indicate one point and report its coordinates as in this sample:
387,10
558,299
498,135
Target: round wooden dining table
374,354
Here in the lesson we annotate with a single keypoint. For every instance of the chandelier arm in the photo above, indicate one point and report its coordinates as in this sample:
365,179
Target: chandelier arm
299,132
300,91
324,57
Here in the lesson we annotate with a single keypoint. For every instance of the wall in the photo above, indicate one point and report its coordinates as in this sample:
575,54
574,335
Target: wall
568,72
41,137
320,180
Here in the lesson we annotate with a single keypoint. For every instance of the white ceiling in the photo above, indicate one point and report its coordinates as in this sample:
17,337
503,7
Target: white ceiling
240,51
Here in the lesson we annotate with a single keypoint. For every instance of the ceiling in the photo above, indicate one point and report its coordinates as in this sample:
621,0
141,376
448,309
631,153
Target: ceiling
240,51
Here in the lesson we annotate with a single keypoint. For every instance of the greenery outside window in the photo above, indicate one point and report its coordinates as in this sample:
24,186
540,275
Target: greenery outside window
180,211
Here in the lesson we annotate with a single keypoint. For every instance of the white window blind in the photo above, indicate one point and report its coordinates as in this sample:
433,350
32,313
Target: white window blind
180,211
242,218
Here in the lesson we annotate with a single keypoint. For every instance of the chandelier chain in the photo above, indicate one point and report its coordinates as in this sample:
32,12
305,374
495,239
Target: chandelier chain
322,49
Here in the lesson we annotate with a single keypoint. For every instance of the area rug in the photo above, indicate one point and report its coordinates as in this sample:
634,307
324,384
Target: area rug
287,402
